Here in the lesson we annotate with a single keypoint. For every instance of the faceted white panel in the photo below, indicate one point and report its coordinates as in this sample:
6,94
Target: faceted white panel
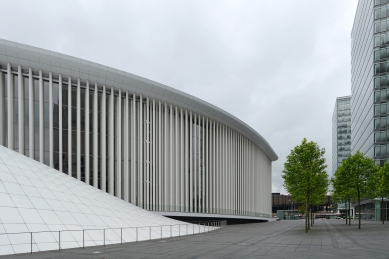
59,211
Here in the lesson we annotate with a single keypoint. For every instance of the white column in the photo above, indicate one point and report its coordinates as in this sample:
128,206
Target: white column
154,184
103,146
241,174
191,162
69,126
165,173
218,194
31,113
41,120
159,156
245,174
239,183
245,163
87,132
182,162
60,144
21,110
133,152
126,169
147,142
111,158
171,165
1,112
233,173
95,137
203,166
214,174
186,162
10,106
176,160
78,128
51,122
140,161
229,166
223,168
210,166
195,175
207,166
119,146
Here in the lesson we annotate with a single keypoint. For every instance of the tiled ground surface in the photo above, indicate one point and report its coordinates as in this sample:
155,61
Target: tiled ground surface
283,239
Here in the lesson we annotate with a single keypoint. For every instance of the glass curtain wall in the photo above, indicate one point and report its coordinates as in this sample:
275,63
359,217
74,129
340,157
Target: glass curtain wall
381,82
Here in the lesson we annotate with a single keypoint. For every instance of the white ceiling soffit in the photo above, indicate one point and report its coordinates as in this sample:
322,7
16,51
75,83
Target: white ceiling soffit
26,56
37,198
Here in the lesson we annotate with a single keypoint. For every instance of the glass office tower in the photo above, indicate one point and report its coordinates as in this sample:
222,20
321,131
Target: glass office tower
381,81
369,78
341,131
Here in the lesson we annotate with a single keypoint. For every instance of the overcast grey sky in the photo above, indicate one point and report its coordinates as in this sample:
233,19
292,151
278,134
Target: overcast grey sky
276,65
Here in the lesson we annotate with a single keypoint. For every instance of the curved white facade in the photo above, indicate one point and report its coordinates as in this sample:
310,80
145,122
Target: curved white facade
146,143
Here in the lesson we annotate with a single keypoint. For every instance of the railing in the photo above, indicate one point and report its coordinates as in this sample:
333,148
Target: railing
29,242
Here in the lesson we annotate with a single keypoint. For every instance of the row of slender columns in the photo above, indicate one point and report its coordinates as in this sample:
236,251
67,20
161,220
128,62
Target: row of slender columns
173,159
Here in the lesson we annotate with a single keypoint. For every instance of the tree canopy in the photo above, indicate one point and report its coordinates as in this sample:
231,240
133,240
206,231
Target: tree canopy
354,179
305,176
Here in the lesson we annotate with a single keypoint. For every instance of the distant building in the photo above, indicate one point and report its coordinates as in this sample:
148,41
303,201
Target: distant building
285,202
341,131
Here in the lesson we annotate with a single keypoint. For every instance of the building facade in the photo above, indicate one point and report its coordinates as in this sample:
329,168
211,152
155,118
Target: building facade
363,121
370,89
141,141
369,104
341,131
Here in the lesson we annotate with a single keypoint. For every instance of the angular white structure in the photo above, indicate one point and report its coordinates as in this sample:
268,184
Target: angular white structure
63,212
146,143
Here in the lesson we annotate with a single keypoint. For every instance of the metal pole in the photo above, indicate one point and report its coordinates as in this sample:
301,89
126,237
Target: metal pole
193,229
83,239
150,232
104,236
179,230
199,226
121,236
59,240
136,234
186,229
161,231
171,231
31,242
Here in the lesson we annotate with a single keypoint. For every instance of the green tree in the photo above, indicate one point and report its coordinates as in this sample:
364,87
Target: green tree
381,185
342,193
305,176
355,177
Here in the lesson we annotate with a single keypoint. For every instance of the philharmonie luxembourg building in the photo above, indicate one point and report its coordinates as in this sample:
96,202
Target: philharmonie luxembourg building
126,136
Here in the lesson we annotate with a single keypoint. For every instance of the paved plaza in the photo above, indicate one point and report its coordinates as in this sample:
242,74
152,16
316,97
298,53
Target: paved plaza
281,239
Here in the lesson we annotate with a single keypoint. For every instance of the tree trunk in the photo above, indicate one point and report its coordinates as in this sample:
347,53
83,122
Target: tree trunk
349,212
306,216
311,216
346,203
382,209
359,210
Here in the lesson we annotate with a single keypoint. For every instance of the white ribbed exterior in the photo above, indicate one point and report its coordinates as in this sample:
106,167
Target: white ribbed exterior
150,152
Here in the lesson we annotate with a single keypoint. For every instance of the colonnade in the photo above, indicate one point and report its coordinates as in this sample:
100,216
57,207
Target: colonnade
151,153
